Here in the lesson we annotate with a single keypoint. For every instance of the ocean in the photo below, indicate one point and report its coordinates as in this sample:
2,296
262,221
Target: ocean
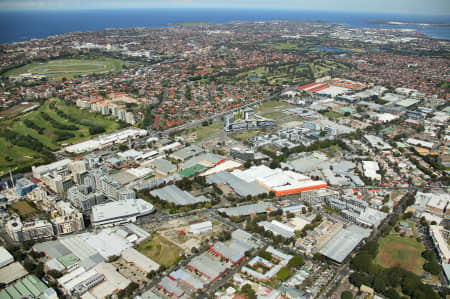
26,25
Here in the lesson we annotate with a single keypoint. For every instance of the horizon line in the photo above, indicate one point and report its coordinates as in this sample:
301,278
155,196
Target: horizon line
14,10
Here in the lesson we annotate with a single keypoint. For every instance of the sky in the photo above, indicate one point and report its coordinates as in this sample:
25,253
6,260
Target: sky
441,7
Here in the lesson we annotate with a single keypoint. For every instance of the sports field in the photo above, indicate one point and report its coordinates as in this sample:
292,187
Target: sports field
404,252
160,250
69,68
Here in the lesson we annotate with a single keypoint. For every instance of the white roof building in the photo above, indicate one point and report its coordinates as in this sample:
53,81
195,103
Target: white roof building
105,140
440,243
121,211
370,170
39,171
113,282
421,143
202,227
5,257
438,203
139,260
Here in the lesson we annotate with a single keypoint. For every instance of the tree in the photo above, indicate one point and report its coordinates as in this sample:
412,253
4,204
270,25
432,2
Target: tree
283,274
248,291
54,273
385,209
432,267
378,284
410,284
359,278
266,255
362,262
372,248
151,274
392,294
428,255
296,261
123,147
346,295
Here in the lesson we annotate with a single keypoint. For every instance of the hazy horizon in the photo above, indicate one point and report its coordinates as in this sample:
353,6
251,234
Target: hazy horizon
403,7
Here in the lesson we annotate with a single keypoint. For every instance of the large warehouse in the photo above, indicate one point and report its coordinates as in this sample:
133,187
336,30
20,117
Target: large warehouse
281,182
5,257
344,242
121,211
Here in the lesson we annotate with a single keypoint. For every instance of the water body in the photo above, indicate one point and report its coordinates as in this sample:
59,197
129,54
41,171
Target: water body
26,25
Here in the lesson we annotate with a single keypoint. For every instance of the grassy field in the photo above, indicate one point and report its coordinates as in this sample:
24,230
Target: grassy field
404,252
245,135
213,130
12,156
333,114
161,250
272,106
69,68
23,208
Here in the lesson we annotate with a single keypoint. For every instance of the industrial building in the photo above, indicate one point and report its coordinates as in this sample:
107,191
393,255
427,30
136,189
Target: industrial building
163,167
233,250
5,257
187,279
278,229
170,287
377,142
187,153
227,165
246,210
207,267
175,195
28,287
370,170
113,282
421,143
239,186
344,242
121,211
281,182
140,261
200,228
105,140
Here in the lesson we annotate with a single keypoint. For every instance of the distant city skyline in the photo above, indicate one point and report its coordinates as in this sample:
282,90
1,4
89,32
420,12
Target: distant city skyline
438,7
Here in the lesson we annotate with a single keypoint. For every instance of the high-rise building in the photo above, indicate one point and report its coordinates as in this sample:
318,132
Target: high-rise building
68,223
84,198
19,232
